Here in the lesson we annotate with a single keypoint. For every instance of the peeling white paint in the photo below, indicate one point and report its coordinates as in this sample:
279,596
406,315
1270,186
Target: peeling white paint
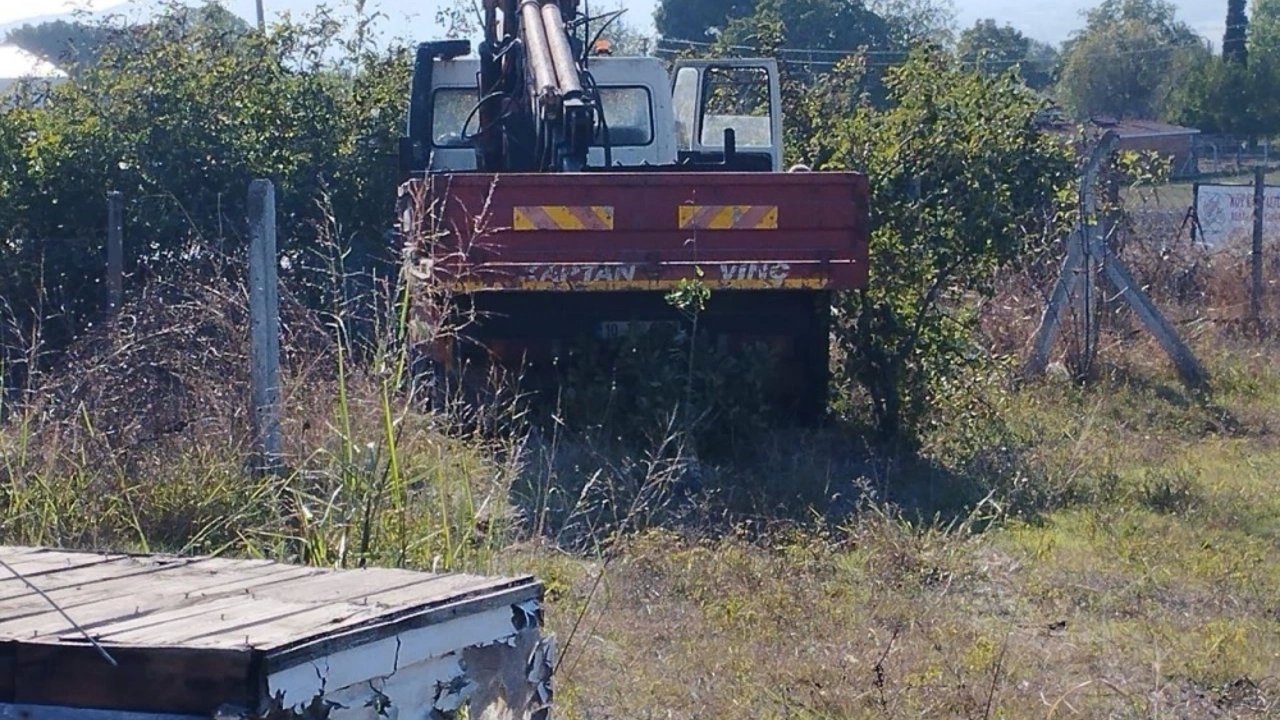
410,694
423,674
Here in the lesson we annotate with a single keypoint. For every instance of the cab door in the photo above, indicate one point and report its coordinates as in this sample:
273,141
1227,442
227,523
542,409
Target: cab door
739,95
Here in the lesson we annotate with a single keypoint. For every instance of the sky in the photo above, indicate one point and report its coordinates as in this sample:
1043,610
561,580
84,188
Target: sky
1049,21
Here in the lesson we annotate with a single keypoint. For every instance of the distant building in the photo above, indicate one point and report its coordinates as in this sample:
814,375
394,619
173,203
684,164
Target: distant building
1175,142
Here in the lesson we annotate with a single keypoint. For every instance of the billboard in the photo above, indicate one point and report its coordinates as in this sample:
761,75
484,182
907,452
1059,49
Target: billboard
1225,213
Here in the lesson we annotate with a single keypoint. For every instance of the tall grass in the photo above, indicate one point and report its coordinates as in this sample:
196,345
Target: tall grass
139,441
1096,548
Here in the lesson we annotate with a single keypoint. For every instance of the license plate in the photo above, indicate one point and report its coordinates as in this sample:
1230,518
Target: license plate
615,329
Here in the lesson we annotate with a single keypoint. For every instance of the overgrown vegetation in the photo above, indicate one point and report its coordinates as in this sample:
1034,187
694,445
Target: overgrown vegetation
952,141
179,119
1097,546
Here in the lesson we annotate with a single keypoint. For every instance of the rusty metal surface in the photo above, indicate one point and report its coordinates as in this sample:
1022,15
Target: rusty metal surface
732,230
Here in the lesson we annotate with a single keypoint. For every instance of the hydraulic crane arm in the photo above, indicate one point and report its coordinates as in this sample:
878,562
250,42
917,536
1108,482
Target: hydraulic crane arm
538,109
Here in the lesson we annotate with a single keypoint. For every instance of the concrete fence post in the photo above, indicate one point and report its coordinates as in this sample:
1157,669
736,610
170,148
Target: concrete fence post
115,253
264,325
1259,210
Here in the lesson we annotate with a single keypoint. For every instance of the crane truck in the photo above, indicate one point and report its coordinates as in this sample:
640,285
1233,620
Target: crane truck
553,193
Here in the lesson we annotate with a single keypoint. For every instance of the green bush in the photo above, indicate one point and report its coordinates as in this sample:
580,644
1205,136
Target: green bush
964,183
179,116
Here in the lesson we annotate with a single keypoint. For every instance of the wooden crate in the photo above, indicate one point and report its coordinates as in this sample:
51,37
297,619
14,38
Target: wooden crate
191,636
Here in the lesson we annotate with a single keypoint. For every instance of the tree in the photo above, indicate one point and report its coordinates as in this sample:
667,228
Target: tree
1225,95
820,25
964,182
1234,49
1264,29
698,20
823,25
916,21
995,49
180,118
1128,59
1214,96
1264,62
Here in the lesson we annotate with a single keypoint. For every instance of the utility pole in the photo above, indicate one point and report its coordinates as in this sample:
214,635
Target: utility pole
262,18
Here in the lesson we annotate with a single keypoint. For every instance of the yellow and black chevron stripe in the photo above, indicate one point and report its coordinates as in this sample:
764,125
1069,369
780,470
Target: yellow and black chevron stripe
562,217
728,217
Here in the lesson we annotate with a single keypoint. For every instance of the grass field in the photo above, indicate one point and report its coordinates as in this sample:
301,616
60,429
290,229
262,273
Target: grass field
1112,555
1148,592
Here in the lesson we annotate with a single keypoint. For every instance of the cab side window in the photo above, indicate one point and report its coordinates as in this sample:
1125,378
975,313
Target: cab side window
737,98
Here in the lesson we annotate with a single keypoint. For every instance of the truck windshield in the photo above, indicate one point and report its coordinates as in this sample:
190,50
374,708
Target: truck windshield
629,113
450,108
628,110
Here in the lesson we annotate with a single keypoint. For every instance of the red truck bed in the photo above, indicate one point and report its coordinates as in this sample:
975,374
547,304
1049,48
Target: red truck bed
639,230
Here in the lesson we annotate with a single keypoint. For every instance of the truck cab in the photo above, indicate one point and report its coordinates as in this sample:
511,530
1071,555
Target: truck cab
652,119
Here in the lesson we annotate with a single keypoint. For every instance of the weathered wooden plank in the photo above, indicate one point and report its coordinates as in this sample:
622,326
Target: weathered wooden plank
232,624
180,609
34,565
433,592
251,585
37,560
233,618
175,585
163,623
329,618
167,680
72,570
301,621
92,575
304,649
287,611
349,585
435,588
101,604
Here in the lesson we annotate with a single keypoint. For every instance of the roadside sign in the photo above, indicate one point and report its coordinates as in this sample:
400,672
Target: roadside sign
1225,213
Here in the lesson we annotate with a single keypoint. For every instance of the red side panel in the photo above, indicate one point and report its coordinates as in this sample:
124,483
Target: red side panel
638,231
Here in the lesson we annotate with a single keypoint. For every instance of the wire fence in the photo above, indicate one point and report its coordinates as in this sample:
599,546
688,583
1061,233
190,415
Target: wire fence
1218,155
